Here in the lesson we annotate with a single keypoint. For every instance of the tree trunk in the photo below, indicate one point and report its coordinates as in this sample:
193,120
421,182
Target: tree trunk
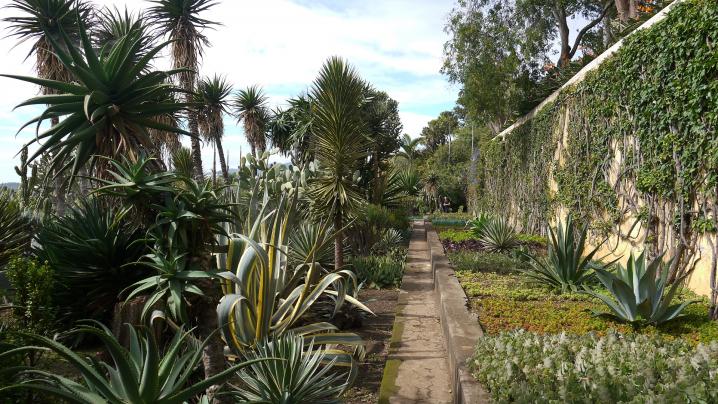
213,353
563,30
196,148
222,162
622,8
338,241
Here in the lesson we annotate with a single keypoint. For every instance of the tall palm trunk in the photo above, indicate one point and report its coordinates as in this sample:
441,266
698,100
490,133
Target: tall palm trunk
196,149
338,241
222,162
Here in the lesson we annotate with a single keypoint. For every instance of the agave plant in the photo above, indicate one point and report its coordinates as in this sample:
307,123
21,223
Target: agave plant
638,292
109,106
14,228
264,297
141,374
305,374
498,235
567,266
478,224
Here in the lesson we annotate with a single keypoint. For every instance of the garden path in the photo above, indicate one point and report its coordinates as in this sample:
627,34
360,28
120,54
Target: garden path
418,346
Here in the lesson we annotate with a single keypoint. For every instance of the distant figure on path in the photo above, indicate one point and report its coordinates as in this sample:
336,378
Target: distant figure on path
446,205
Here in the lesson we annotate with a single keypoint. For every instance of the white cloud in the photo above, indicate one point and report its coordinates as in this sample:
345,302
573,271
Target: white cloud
281,44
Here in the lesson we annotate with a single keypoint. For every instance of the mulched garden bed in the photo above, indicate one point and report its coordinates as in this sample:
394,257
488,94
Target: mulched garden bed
376,332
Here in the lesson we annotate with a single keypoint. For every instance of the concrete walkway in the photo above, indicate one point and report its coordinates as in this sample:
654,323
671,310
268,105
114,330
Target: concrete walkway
418,356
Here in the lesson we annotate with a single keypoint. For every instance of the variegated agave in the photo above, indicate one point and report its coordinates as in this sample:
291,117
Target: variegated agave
265,297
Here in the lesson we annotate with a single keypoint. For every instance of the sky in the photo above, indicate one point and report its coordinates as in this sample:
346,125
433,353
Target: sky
281,45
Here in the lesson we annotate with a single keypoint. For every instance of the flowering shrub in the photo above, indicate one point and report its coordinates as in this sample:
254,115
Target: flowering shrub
524,367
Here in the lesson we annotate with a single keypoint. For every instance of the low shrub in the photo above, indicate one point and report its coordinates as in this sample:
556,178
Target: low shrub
484,262
533,241
456,235
378,271
524,367
33,306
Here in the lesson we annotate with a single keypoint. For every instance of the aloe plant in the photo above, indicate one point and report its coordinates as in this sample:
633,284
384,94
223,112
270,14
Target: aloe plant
567,265
639,293
141,374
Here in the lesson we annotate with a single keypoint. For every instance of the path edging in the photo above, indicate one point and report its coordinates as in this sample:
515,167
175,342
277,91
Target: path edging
460,327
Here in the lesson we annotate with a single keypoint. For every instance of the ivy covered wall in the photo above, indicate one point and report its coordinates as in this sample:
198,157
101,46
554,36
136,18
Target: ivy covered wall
631,149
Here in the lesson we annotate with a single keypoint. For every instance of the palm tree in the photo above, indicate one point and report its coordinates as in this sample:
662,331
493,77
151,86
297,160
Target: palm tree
410,147
250,106
212,97
43,21
339,144
113,24
179,20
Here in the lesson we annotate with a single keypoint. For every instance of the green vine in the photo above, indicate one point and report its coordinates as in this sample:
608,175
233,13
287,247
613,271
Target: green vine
640,140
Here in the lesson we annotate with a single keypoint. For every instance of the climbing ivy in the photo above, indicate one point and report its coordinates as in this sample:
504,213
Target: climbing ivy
640,140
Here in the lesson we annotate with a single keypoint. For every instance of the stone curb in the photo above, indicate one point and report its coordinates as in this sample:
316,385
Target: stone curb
460,327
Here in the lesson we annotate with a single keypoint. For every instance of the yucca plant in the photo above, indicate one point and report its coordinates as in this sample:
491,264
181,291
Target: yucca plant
113,25
250,107
340,143
305,374
141,374
498,235
302,242
14,228
640,293
213,101
568,264
180,21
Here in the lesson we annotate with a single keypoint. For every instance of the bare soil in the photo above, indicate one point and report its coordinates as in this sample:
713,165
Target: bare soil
376,332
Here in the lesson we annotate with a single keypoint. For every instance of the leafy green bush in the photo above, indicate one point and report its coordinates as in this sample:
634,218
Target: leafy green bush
567,266
378,271
524,367
33,307
91,250
485,262
637,291
14,228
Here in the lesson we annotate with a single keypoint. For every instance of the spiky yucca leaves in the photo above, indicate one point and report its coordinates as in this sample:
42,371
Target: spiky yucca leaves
113,25
250,107
302,242
91,250
567,265
180,21
44,21
108,109
213,99
290,130
478,224
144,373
182,162
14,228
638,291
305,374
339,145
